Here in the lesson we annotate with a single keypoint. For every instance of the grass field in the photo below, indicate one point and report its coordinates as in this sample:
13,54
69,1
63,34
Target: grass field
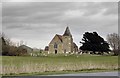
57,64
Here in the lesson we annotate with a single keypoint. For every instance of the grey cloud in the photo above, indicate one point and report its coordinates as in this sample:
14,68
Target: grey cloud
41,21
34,7
92,8
46,11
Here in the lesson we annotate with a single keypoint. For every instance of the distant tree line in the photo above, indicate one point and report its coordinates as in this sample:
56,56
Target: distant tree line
91,42
9,48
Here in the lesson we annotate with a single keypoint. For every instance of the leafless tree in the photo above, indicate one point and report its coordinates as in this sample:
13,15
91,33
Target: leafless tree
7,40
10,48
114,41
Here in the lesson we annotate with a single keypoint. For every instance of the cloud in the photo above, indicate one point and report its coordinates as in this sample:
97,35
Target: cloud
39,22
60,0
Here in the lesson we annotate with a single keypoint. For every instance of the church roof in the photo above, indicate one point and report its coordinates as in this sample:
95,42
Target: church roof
60,37
74,44
67,32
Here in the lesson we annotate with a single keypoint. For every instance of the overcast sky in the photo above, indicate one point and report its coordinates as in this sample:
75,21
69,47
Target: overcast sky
36,23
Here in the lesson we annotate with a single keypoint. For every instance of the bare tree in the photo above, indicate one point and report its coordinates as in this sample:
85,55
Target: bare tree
114,41
10,48
21,42
7,40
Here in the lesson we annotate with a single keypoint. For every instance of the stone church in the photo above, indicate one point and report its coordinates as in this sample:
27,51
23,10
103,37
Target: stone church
63,43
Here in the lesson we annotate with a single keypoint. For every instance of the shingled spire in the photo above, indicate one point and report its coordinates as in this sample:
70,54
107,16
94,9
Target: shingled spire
67,32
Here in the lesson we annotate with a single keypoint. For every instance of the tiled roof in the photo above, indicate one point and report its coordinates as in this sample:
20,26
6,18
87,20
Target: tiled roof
74,44
24,46
60,37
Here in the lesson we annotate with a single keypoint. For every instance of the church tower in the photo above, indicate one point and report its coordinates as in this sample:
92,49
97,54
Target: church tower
67,41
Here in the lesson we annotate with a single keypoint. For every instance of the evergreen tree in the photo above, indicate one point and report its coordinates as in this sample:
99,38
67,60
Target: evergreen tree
93,42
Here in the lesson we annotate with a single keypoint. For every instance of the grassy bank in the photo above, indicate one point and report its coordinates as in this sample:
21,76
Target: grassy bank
62,64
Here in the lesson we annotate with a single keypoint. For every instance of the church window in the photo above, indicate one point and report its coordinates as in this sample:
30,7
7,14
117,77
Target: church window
64,50
55,45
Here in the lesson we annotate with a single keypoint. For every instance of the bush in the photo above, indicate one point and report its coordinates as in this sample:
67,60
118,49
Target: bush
11,50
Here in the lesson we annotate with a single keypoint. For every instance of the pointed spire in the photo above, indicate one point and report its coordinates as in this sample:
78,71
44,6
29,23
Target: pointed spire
67,32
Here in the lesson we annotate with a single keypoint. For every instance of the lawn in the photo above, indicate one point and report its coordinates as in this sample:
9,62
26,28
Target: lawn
57,64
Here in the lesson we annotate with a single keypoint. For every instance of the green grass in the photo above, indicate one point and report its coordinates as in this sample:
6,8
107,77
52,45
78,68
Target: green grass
54,64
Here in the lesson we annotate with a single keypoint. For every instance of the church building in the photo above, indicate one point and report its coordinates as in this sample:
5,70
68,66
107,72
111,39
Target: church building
63,43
